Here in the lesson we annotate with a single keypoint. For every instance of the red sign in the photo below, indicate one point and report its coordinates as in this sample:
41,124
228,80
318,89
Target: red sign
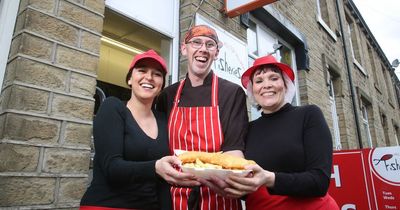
366,179
234,8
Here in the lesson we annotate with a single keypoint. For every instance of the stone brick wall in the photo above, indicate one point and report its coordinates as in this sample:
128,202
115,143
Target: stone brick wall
322,47
47,103
382,102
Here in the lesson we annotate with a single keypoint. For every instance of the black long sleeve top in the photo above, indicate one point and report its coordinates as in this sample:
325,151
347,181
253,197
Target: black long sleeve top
231,102
296,144
124,163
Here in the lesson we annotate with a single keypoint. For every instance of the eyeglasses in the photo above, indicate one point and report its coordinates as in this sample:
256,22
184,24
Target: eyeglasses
197,43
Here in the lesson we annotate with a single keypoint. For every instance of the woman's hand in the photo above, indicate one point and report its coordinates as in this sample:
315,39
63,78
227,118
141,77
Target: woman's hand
239,186
217,185
167,166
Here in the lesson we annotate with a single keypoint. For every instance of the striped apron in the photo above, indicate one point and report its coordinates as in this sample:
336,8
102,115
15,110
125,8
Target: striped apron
197,129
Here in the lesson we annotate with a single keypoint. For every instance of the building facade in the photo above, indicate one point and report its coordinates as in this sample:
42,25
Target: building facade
61,58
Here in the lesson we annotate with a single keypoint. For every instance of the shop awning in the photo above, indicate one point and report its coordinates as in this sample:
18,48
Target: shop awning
234,8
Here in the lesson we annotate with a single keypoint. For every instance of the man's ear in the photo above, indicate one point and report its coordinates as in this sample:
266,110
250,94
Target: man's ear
216,55
183,49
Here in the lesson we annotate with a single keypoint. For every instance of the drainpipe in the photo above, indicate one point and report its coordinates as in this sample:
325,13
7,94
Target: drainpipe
353,100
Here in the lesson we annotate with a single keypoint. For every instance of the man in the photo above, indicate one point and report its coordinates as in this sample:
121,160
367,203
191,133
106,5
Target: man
205,113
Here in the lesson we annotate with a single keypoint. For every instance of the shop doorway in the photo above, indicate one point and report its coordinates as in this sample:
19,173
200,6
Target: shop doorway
122,39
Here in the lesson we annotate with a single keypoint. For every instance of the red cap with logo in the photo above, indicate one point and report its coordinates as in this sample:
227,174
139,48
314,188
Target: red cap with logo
151,54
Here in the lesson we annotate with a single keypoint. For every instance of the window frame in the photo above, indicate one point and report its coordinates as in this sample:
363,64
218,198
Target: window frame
371,57
335,118
396,133
385,127
365,121
321,21
356,62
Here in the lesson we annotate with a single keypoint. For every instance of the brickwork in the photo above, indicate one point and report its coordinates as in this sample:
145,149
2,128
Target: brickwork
382,102
27,191
47,103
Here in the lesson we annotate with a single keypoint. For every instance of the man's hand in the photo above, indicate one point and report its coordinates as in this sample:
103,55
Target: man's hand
167,166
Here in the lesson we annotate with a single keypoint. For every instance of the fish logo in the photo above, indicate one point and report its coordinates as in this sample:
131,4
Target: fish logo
383,158
385,164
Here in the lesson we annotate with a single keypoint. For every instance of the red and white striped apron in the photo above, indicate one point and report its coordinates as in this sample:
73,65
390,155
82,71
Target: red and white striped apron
197,129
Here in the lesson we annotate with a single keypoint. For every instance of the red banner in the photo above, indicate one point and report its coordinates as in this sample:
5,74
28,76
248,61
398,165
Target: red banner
366,178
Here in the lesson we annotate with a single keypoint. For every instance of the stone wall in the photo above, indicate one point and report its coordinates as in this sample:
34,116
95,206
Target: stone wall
326,55
47,103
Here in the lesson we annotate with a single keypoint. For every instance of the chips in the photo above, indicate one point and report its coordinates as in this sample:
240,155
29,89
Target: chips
199,164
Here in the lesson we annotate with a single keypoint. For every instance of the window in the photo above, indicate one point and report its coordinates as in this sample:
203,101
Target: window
323,11
396,134
385,129
323,18
354,44
389,85
368,128
365,108
261,42
335,92
354,41
397,92
383,85
335,116
373,68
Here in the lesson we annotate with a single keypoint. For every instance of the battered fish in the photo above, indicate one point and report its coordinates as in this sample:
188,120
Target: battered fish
225,160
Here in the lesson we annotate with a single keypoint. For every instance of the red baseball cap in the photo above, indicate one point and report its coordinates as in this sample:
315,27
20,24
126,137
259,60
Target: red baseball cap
152,55
269,59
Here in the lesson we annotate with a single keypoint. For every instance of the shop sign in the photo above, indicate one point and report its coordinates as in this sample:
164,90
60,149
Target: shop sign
366,178
234,8
232,59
